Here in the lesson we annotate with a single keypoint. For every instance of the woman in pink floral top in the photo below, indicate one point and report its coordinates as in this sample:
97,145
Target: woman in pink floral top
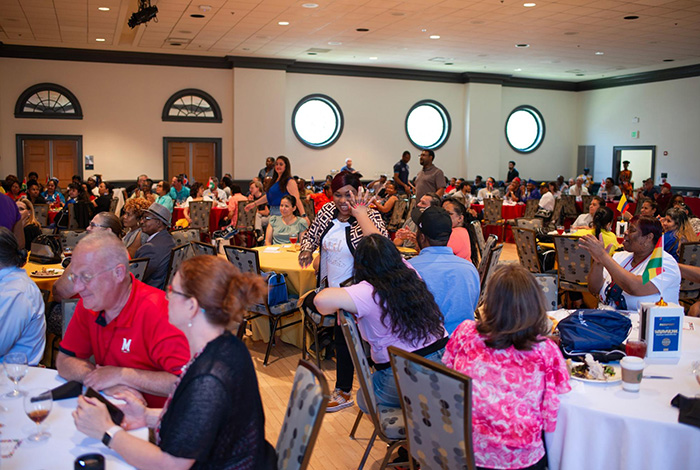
516,373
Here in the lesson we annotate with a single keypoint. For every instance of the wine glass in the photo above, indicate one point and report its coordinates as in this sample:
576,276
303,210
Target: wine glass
15,368
293,239
37,405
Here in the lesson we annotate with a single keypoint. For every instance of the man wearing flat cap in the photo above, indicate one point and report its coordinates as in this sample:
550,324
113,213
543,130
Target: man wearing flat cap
453,281
155,223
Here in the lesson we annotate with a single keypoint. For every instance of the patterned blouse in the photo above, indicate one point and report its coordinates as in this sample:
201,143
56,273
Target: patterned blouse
514,396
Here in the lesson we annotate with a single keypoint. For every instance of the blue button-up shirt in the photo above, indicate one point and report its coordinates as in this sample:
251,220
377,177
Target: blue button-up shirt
453,281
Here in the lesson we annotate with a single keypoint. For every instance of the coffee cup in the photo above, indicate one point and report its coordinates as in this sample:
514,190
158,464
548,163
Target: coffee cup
632,371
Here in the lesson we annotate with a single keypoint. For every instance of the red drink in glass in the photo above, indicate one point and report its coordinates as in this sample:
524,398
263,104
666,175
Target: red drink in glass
292,239
636,348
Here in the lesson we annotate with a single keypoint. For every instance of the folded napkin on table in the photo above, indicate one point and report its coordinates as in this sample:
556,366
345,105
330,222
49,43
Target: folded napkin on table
688,410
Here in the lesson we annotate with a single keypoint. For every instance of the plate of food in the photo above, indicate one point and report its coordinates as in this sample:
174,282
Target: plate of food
48,272
592,371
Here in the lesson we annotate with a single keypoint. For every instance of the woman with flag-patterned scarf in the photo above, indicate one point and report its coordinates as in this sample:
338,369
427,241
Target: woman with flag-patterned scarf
644,272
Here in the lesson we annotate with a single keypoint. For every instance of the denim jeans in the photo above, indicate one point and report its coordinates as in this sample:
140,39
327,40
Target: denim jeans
384,385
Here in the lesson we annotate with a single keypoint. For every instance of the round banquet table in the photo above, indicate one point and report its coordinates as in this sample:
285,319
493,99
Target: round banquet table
631,208
603,427
66,442
216,215
508,212
283,259
45,283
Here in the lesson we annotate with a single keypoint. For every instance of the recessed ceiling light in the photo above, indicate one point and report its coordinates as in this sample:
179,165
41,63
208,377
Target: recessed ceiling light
335,43
631,17
196,15
311,53
522,46
103,8
580,75
449,63
669,60
283,23
100,39
529,5
570,33
518,70
373,58
246,48
434,36
309,5
362,30
599,53
423,30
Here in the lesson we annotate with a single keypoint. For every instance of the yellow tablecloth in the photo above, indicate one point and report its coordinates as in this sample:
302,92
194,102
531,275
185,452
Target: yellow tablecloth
45,283
299,282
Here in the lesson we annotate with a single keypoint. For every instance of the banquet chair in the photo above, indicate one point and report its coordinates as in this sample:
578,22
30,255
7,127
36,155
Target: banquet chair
246,219
138,266
690,255
313,322
303,418
388,422
411,204
199,213
532,224
586,201
177,256
310,210
113,205
70,238
199,248
492,240
573,264
557,216
248,261
550,288
494,255
481,243
67,309
398,215
492,214
569,206
526,243
41,213
438,428
531,206
184,237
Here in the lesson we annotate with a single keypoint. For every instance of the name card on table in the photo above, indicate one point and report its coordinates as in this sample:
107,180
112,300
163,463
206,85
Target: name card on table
661,326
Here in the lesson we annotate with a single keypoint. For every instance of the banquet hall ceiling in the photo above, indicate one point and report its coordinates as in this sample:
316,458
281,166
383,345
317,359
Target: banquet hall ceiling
572,40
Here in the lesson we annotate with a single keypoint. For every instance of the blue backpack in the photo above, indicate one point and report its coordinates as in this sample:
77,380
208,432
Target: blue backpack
600,333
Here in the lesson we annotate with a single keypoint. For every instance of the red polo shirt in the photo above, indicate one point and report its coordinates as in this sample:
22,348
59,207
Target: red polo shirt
141,337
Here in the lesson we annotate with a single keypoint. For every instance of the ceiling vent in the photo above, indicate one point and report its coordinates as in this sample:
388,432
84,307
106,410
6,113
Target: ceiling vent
318,50
177,41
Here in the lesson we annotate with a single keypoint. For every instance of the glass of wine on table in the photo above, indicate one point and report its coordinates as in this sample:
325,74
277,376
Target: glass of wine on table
37,404
15,369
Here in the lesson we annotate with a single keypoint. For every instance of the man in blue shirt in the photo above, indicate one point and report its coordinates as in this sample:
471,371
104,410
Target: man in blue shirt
178,191
401,173
453,281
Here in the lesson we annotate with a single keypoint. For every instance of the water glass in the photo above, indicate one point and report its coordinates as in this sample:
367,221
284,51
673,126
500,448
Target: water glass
15,365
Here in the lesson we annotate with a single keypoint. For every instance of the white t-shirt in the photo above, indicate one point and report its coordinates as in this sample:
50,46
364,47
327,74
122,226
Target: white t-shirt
668,282
583,220
547,201
337,260
190,199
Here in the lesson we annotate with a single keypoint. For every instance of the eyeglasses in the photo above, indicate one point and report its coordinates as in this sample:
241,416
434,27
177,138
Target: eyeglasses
94,225
171,291
86,278
148,217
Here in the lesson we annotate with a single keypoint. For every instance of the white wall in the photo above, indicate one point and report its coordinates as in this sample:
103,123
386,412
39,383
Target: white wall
669,117
122,106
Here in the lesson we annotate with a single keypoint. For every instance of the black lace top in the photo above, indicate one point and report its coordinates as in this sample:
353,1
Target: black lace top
216,415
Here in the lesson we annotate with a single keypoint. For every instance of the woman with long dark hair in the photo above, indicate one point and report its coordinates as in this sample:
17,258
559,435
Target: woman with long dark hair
393,306
337,231
460,240
281,227
677,230
282,184
601,226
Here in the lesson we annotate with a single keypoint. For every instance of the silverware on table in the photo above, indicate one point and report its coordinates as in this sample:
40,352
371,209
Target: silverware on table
656,377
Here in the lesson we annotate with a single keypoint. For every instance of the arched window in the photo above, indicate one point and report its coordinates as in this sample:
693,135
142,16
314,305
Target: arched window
317,121
525,129
192,105
428,125
48,101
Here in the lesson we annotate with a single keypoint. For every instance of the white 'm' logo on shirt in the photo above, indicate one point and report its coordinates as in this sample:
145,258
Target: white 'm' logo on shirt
126,345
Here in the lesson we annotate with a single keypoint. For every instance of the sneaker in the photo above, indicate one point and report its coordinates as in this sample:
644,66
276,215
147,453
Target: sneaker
339,400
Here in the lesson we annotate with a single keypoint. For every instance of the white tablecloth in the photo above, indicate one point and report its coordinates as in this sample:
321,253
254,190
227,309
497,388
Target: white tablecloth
603,427
66,442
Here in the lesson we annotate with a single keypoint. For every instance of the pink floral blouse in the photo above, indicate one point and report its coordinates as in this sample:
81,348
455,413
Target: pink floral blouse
514,396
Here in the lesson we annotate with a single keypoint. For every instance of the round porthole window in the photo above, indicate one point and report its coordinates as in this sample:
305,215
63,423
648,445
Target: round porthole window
317,121
428,124
525,129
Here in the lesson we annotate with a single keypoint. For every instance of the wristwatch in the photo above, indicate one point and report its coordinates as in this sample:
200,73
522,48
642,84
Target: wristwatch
302,215
109,434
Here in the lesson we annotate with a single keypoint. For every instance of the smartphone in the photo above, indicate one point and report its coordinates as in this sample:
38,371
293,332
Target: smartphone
115,413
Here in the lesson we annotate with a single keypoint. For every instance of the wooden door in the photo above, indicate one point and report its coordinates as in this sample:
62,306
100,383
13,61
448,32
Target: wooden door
37,157
51,157
65,159
195,159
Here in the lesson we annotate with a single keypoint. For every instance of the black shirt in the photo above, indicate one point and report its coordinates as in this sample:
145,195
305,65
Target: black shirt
512,174
216,415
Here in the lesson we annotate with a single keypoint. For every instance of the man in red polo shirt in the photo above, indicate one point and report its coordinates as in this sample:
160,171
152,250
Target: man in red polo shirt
123,323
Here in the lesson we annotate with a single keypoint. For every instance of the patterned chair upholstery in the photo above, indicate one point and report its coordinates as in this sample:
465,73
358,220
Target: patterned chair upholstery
492,214
303,418
586,200
436,404
41,213
690,255
531,207
481,243
138,266
310,210
494,256
313,322
398,214
183,237
492,240
247,261
531,224
526,244
199,213
67,310
70,238
557,215
113,205
177,256
569,206
199,248
246,219
550,288
573,264
388,422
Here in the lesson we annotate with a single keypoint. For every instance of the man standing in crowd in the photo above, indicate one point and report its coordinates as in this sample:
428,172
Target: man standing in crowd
154,223
401,173
179,192
348,166
512,172
430,179
123,323
268,171
453,281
